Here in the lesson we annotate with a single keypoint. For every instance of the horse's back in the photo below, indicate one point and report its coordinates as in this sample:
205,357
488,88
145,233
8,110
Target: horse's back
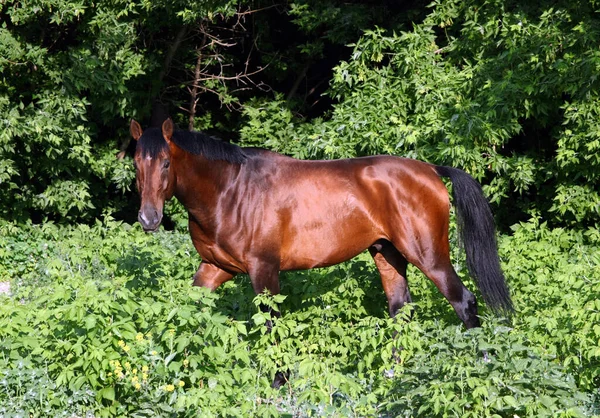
323,212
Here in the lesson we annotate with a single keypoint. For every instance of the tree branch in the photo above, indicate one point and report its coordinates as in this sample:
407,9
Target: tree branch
194,92
171,52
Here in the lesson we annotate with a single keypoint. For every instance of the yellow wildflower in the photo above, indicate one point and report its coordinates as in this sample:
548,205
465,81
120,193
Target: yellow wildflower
127,365
181,384
121,343
126,348
144,376
186,362
139,337
169,388
116,367
154,352
137,386
145,369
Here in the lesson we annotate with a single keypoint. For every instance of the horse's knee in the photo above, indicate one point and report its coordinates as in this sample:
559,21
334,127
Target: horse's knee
453,289
265,277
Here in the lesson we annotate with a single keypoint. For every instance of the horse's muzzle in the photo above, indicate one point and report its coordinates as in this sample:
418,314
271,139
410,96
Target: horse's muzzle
150,219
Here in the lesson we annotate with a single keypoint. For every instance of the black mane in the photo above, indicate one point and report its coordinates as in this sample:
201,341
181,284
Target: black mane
152,143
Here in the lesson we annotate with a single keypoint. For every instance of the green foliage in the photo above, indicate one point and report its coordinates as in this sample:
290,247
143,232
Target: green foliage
560,285
102,320
337,22
64,62
73,73
507,91
272,125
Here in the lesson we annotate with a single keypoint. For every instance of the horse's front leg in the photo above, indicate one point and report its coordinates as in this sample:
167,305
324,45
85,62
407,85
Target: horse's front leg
210,276
265,277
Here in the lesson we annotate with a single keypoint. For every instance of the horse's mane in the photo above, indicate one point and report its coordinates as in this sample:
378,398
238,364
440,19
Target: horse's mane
152,143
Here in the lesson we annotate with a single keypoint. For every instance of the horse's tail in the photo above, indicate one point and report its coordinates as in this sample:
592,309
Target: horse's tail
478,234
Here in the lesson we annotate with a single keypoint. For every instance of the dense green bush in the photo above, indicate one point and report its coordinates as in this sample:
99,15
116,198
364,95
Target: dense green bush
102,320
506,90
73,73
67,67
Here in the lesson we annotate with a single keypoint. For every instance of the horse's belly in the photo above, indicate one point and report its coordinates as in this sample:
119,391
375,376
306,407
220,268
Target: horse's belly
326,244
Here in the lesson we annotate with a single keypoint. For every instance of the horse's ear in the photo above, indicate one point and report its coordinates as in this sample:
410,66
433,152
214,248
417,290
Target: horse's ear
167,129
135,129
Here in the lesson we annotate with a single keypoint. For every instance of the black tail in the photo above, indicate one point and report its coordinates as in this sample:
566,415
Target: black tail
478,234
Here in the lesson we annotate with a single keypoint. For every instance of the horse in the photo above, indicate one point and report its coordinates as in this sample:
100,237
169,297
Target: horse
257,212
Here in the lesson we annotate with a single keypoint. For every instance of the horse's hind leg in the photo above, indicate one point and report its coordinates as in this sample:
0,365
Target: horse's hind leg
434,261
422,238
453,289
392,269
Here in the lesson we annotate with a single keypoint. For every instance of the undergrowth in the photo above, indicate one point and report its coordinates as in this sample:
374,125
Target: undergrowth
103,321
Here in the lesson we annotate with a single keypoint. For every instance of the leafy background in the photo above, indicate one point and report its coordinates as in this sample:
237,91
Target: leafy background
100,319
508,91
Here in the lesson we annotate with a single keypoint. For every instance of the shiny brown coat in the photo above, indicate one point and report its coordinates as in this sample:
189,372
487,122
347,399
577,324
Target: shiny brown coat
268,213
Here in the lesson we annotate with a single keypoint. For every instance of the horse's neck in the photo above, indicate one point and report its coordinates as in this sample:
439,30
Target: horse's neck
200,183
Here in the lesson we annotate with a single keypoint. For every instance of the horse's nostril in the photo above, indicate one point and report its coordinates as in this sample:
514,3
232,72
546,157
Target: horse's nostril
150,219
146,223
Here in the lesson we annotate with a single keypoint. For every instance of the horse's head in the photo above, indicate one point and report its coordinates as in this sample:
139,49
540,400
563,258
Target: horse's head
155,176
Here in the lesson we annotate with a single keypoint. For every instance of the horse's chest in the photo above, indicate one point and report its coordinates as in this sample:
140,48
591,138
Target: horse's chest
215,251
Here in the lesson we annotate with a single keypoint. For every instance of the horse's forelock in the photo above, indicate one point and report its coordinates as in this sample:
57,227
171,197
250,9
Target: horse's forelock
152,143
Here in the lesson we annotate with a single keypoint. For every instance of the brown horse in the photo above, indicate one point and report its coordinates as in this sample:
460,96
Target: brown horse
258,212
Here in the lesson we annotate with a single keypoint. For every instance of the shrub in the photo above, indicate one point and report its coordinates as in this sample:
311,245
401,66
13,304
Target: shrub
102,320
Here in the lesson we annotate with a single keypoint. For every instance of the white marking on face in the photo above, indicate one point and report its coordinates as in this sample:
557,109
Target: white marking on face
143,216
149,158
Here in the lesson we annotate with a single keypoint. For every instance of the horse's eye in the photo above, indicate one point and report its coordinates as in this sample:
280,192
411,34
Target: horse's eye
166,164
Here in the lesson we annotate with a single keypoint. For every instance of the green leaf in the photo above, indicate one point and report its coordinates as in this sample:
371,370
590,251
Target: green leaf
107,393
